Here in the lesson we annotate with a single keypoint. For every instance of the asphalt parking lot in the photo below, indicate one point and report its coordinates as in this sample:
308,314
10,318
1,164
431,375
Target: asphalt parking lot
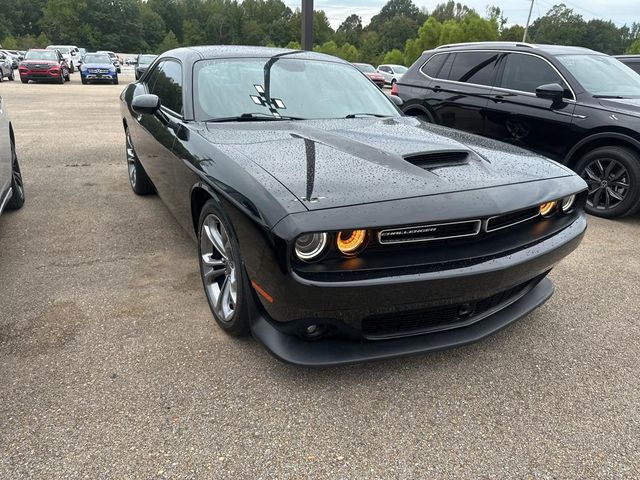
112,367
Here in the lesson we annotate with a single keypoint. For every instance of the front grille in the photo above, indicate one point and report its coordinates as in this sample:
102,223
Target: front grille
98,70
425,233
425,320
509,219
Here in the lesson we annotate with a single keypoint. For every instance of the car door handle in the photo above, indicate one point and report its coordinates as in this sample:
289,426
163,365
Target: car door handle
497,98
437,88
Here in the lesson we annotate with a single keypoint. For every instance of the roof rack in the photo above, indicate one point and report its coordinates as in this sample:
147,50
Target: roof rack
493,44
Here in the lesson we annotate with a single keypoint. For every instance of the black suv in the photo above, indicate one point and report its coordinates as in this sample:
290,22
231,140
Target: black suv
631,61
574,105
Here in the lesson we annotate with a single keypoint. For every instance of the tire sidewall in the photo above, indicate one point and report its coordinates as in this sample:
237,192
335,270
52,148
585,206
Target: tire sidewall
631,162
239,326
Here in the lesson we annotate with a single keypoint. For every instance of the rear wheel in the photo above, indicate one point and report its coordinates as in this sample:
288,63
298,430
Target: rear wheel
115,80
222,271
17,187
67,77
12,75
61,78
138,178
613,177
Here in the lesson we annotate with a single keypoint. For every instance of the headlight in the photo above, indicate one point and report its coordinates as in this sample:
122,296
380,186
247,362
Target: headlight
349,242
310,246
548,209
568,203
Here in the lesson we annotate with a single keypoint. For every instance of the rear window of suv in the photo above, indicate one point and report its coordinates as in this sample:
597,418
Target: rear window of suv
467,67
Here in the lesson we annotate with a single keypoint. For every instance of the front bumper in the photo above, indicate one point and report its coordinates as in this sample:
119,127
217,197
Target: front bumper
360,315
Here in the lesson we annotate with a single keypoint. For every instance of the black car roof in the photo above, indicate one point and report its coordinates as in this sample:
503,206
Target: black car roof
239,51
520,47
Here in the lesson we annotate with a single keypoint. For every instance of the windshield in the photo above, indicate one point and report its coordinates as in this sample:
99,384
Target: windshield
146,59
97,58
365,67
399,68
46,55
63,50
601,75
306,89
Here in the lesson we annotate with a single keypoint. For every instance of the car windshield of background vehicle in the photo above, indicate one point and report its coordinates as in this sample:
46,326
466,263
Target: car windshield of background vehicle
228,88
603,76
96,58
48,55
399,69
63,50
146,59
365,67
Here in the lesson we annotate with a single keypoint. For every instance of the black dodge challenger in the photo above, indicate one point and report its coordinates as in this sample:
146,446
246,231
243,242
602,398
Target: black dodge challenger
330,226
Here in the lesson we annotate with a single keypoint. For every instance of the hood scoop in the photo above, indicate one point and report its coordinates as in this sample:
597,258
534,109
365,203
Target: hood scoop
439,159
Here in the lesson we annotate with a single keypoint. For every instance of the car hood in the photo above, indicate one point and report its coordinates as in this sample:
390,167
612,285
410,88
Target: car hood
30,63
334,163
98,65
629,106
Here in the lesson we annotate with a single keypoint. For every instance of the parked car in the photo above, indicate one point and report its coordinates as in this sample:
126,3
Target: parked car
370,73
11,186
571,104
6,67
98,67
114,59
329,225
631,61
18,54
47,65
71,54
392,73
12,57
143,62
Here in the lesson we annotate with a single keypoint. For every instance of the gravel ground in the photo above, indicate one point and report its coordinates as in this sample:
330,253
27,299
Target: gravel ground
111,365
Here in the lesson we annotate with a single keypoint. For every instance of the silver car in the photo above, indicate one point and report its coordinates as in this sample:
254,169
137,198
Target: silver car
11,187
6,67
391,73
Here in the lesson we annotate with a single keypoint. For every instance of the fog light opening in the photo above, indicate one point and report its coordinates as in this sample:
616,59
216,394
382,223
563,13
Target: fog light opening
548,209
350,242
315,331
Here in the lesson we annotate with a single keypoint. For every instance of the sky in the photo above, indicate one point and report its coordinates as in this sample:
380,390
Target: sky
516,11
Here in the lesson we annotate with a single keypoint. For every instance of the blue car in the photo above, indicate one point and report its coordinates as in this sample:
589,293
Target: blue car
97,67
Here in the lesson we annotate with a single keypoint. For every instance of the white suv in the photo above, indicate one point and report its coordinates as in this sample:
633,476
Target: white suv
70,53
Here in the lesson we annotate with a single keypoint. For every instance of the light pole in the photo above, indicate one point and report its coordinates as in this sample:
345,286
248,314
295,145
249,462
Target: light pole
526,29
307,24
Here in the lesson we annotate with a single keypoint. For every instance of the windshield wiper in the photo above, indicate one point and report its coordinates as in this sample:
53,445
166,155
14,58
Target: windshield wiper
257,116
608,96
354,115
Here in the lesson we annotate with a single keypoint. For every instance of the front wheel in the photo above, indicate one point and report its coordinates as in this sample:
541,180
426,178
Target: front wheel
613,177
115,80
71,68
138,179
84,81
222,271
17,187
12,76
24,80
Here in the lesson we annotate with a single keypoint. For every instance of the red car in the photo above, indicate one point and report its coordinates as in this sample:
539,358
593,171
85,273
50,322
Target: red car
371,73
44,65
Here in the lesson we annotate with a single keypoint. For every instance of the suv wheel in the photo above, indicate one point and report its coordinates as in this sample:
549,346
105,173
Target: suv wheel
17,198
12,75
138,179
613,177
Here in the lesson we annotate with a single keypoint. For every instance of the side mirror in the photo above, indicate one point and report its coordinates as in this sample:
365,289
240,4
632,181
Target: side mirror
551,91
146,104
396,100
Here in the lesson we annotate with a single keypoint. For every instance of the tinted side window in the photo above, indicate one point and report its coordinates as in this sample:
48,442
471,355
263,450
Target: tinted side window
527,72
433,65
151,79
385,69
634,66
168,85
474,67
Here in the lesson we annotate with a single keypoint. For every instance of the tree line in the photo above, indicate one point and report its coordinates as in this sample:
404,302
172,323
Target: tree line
397,34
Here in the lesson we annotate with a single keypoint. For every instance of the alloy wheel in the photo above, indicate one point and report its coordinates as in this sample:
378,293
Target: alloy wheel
16,173
608,182
131,161
219,273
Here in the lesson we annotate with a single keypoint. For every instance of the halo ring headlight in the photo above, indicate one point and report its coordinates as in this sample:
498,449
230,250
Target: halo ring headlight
309,246
548,209
350,242
568,203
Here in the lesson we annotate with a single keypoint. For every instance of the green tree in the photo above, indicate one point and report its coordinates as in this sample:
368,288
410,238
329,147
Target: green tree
330,48
153,26
61,19
395,56
559,26
349,31
396,8
512,34
169,42
348,52
634,48
428,38
603,36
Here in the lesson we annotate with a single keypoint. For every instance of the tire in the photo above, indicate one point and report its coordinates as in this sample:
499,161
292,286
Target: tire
12,76
67,78
84,81
613,177
61,79
115,80
222,271
138,179
18,197
1,76
24,80
71,68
